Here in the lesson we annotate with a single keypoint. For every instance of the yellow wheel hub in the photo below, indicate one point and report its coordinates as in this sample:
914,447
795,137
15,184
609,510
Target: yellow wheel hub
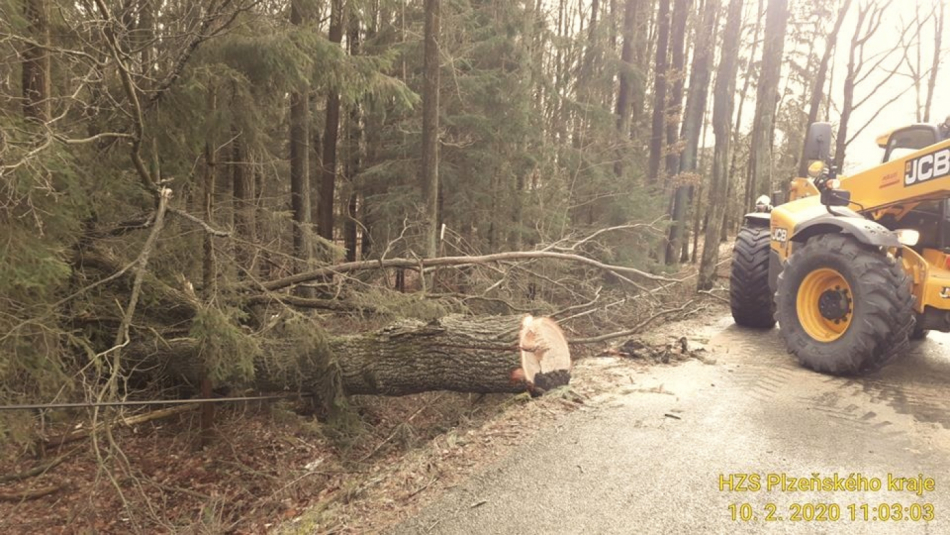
825,305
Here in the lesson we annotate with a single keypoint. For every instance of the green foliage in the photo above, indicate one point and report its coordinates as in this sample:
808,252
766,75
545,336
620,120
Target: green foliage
306,353
402,305
29,268
43,205
528,151
226,351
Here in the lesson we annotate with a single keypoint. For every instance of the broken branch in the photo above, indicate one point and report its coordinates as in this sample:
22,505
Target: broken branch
412,263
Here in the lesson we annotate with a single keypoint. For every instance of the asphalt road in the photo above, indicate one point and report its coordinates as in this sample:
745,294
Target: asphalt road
651,459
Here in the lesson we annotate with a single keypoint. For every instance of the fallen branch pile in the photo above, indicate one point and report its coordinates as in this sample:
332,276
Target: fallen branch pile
664,353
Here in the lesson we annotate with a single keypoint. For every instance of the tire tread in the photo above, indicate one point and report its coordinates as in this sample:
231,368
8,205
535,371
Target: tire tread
750,297
883,334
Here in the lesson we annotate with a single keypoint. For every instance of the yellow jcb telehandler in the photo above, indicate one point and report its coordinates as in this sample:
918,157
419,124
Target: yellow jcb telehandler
852,267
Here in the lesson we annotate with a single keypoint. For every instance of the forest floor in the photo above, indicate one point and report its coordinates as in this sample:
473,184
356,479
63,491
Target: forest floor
270,468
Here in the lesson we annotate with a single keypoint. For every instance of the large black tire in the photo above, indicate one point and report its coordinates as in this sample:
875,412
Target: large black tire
881,306
749,295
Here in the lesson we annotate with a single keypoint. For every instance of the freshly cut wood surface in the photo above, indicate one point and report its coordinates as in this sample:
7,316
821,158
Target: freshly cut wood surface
545,354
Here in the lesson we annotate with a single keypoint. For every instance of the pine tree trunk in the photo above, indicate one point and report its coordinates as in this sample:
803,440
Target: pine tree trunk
209,269
722,118
641,60
374,121
242,190
657,131
692,127
677,72
776,20
146,33
300,160
330,135
746,83
355,131
590,54
697,219
627,76
698,215
430,126
36,64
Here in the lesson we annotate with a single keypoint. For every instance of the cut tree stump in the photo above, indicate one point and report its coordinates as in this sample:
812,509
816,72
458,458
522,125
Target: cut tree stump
494,354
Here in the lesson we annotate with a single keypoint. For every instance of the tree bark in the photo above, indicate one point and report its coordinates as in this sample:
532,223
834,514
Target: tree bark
242,189
462,354
763,124
746,82
209,269
374,120
659,92
481,355
671,120
627,80
353,156
641,60
300,159
587,71
146,32
36,64
430,126
692,127
722,118
330,135
677,72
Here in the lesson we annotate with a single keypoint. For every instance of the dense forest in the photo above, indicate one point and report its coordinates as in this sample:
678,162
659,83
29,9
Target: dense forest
237,180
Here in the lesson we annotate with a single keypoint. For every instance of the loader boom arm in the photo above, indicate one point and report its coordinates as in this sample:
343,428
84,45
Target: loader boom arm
903,182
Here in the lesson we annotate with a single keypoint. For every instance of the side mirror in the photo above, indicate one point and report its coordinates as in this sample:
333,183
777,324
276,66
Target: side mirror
818,142
778,197
835,197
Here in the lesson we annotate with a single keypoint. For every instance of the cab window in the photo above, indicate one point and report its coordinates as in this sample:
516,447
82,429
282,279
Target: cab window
908,140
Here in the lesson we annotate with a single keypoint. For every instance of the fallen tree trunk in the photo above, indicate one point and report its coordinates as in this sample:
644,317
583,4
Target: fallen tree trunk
456,353
499,354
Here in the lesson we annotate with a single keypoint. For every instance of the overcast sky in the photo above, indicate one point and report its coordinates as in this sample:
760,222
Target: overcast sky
863,151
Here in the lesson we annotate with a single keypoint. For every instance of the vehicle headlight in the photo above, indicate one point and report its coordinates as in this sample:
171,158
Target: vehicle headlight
908,237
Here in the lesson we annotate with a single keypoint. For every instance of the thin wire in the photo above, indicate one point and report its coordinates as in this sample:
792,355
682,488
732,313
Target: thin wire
30,407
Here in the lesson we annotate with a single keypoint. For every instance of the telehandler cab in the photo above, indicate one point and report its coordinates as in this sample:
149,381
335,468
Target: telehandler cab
851,267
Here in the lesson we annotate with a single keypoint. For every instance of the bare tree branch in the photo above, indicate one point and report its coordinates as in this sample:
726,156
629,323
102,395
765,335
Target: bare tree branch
411,263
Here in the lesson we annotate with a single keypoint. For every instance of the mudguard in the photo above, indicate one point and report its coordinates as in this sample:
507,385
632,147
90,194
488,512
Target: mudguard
758,219
864,230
